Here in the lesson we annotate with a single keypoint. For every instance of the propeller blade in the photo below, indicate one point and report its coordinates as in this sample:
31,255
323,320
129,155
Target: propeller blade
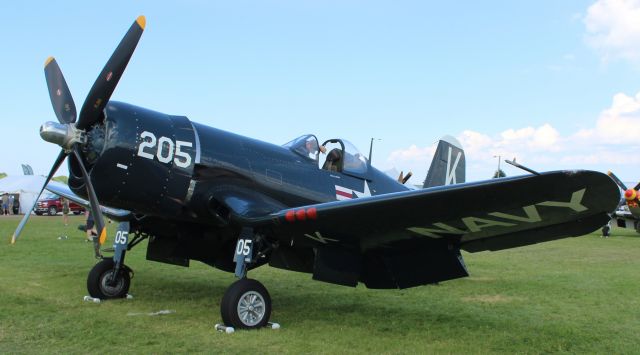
637,187
406,178
106,82
93,199
61,100
27,214
617,181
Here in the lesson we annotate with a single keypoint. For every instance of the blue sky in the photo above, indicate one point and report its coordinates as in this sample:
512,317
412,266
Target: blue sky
552,83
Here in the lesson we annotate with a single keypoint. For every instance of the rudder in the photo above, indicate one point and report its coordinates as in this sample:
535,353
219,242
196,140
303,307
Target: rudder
448,165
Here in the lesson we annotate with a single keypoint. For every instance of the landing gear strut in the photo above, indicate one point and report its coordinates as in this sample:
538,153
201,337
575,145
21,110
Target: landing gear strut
246,303
110,278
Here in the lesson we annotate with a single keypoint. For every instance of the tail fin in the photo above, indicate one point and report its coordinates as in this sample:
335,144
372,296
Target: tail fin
448,165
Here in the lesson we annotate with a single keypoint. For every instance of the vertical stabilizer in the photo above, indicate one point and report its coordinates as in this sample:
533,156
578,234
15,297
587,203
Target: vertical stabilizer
448,165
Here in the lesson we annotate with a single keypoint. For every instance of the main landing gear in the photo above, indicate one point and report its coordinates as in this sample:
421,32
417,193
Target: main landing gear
246,303
110,278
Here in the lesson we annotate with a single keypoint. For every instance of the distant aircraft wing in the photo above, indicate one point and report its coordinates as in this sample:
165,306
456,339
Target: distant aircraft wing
394,232
64,191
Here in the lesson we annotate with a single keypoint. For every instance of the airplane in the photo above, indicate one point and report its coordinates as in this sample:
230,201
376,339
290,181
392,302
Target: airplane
198,193
627,215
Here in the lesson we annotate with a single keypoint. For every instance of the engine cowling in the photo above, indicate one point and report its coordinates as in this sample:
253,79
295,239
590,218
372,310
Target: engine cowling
138,160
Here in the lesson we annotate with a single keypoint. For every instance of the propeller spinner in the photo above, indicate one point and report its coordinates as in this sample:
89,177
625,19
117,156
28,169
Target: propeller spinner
69,134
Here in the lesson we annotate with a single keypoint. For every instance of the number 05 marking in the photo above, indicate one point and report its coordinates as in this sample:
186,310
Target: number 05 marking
165,149
122,237
243,248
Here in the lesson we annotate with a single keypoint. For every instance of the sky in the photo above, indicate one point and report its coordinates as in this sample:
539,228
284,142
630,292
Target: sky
554,84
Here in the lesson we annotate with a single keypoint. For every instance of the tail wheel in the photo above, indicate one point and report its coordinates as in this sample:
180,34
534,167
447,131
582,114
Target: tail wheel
246,305
99,281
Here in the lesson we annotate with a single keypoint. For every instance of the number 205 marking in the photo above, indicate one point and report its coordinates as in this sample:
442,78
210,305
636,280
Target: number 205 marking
173,150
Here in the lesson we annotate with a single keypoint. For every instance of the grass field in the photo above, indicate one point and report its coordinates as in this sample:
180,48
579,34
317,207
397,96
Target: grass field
579,295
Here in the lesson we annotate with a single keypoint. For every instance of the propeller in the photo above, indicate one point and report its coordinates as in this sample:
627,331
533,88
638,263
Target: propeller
630,195
619,182
407,177
106,82
59,93
69,134
94,203
403,179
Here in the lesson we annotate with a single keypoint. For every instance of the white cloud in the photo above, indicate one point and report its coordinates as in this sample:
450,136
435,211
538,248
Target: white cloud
543,138
613,29
619,124
413,154
611,143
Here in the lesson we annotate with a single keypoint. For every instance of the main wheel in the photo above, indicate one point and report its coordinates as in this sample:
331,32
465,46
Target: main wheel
99,281
52,211
246,305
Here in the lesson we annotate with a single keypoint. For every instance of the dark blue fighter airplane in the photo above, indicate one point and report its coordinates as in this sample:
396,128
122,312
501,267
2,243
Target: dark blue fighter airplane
236,203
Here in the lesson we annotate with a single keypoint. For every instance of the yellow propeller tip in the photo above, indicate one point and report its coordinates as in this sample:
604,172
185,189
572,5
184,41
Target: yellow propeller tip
103,236
13,240
142,21
49,60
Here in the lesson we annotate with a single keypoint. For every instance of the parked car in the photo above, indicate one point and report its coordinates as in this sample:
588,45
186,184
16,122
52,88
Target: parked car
51,204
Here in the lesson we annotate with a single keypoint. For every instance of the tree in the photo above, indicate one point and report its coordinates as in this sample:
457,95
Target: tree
63,179
2,175
499,173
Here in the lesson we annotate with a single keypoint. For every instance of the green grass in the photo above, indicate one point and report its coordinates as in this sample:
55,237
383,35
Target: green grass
579,295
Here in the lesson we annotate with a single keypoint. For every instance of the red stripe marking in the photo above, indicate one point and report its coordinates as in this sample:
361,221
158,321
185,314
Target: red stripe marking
345,194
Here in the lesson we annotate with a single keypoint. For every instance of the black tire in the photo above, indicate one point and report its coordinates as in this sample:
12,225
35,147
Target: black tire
246,293
100,274
38,213
77,212
52,211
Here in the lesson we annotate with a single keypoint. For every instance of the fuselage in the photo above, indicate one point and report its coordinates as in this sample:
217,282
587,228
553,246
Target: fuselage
167,166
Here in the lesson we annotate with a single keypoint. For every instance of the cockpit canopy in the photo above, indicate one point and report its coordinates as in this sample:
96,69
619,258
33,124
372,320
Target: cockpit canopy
306,146
341,155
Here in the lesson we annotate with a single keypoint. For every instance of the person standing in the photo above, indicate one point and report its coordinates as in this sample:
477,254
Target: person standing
65,211
90,227
11,199
5,204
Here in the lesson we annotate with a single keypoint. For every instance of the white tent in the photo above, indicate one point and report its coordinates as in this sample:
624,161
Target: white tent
27,186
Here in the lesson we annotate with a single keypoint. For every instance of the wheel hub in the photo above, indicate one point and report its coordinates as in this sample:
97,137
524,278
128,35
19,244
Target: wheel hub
109,286
251,308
